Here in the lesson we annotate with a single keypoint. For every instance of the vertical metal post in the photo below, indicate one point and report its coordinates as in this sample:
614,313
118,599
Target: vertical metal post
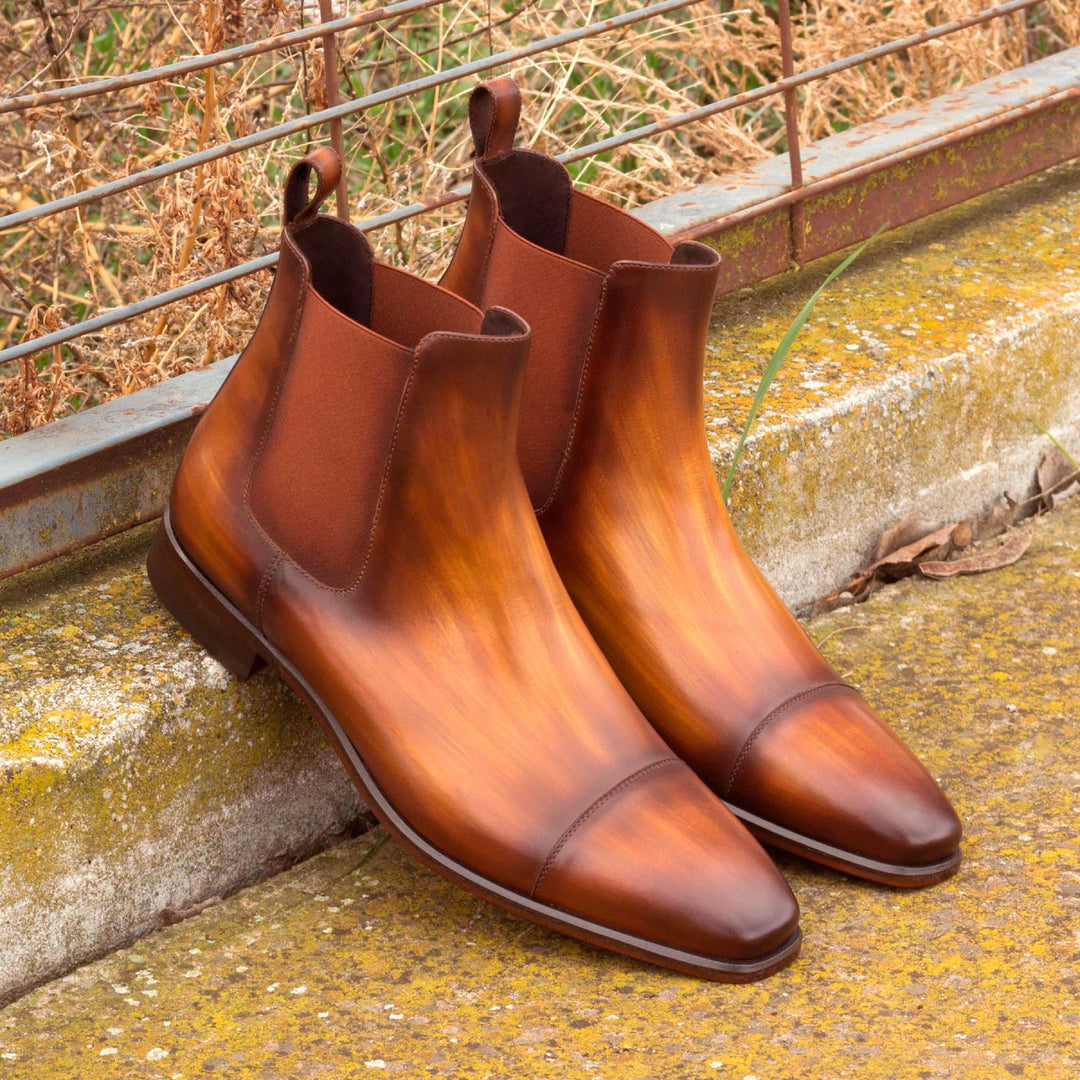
333,97
1022,30
791,122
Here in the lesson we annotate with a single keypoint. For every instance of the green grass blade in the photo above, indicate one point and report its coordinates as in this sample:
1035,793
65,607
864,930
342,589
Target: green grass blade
778,357
1075,463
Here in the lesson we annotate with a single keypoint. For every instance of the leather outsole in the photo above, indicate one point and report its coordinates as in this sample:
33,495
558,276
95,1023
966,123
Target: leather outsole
883,873
219,627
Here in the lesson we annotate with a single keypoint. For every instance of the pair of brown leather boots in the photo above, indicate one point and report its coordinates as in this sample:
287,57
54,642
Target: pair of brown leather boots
475,527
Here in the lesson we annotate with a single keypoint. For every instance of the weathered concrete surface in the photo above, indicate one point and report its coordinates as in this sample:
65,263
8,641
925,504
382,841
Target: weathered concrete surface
97,472
912,387
361,963
135,776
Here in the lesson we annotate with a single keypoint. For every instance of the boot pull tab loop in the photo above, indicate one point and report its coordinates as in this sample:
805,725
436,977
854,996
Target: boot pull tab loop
301,210
494,109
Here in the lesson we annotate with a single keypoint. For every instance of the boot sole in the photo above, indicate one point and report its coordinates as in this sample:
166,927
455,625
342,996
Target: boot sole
230,638
883,873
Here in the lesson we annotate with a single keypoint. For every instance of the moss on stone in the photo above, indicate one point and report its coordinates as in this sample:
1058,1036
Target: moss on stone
135,775
920,370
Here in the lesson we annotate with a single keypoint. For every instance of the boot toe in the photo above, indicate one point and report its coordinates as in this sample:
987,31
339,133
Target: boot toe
662,859
830,769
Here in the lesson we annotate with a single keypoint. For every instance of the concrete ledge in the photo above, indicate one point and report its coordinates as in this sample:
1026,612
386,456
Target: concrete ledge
98,472
362,963
913,387
686,211
884,173
136,778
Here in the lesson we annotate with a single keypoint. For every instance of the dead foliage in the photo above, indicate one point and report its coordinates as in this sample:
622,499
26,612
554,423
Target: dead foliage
913,547
1057,479
77,264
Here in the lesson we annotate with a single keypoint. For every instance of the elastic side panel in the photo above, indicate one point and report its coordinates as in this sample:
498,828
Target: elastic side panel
557,298
405,308
599,235
316,483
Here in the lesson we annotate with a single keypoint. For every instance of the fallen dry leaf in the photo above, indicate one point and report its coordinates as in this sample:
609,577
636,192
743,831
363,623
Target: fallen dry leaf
981,561
906,531
998,520
962,536
897,561
910,547
1056,478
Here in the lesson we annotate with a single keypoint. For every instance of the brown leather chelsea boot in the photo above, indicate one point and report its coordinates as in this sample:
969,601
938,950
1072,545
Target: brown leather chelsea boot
350,511
612,445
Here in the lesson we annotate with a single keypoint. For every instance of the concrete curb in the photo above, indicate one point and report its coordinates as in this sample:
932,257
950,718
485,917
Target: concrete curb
913,387
134,780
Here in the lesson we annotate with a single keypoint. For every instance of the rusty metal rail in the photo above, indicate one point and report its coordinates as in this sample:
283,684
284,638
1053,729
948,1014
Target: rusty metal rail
327,30
100,87
338,112
895,172
786,87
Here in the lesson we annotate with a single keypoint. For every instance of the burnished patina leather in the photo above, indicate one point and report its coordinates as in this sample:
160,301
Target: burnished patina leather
350,509
612,444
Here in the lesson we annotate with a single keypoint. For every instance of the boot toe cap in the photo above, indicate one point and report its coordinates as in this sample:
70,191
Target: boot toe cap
832,770
665,861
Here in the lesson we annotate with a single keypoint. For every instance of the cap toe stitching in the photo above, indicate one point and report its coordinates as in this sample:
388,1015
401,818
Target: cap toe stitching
768,719
589,811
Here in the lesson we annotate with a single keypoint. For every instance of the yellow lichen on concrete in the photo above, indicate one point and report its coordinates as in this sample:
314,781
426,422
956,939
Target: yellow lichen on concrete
361,963
912,387
135,776
921,292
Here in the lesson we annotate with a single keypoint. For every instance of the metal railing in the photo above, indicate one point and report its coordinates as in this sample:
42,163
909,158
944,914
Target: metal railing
784,88
105,469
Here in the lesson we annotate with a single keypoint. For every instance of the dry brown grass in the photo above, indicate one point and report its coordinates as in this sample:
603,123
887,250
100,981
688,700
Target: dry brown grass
79,263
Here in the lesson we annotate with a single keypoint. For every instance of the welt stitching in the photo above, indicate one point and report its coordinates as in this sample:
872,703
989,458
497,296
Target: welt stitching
586,814
768,719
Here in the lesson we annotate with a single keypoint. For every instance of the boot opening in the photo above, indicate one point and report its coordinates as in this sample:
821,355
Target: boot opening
691,253
341,261
534,197
538,202
391,302
501,322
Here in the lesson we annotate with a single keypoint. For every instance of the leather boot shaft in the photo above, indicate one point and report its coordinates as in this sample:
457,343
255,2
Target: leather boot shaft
351,511
325,392
614,450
